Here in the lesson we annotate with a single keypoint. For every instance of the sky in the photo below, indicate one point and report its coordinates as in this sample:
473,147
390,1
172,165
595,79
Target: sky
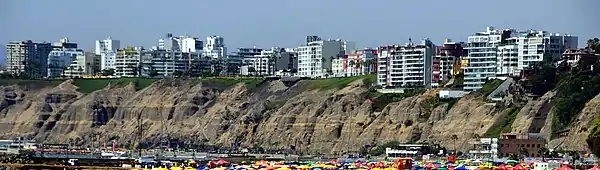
286,23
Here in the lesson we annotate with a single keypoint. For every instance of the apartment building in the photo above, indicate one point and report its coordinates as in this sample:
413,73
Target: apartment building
409,65
87,64
360,62
164,63
507,58
28,58
107,49
533,45
214,47
181,43
61,57
315,58
273,61
482,48
107,44
446,62
127,62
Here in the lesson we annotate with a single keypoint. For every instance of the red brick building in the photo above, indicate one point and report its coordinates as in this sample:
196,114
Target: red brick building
513,143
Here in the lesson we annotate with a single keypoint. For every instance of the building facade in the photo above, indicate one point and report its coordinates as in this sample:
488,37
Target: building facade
107,44
484,148
507,59
482,48
360,62
28,58
214,47
446,62
402,66
524,144
533,45
61,57
165,63
181,43
107,49
127,62
315,58
87,64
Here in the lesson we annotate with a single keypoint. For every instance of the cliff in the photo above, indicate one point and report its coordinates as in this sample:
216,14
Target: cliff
317,116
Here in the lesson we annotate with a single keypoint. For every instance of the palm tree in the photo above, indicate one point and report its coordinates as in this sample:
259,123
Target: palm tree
543,152
351,64
359,65
454,138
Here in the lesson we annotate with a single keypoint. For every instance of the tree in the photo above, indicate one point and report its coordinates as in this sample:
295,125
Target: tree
177,73
351,64
523,152
543,152
454,138
108,72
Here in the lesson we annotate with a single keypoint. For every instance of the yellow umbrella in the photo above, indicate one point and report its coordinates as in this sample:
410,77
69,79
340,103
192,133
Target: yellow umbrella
175,168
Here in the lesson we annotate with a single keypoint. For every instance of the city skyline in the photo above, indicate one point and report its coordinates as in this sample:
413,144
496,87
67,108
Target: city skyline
350,20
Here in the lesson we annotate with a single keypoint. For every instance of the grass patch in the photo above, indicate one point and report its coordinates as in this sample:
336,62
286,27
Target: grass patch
431,103
91,85
489,86
338,83
383,99
31,83
251,83
504,125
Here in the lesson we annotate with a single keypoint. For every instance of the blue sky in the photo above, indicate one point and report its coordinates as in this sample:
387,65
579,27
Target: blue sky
266,23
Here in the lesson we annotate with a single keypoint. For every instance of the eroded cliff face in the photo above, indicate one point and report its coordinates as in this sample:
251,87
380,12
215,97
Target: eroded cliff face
271,116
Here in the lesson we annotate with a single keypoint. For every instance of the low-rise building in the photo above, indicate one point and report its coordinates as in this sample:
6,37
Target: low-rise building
412,150
484,148
572,57
525,144
360,62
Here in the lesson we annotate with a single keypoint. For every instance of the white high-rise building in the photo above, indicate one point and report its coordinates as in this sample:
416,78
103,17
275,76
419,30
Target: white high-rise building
534,44
61,57
214,47
107,49
107,44
181,43
315,58
407,65
482,56
508,57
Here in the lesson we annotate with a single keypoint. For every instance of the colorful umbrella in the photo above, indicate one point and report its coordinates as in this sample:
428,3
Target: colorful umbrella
595,168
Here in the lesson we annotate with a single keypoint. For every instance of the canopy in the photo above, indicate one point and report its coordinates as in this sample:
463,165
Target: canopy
501,166
518,167
595,168
565,167
222,162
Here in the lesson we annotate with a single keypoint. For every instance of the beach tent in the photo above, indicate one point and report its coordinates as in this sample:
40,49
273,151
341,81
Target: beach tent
595,168
565,167
461,167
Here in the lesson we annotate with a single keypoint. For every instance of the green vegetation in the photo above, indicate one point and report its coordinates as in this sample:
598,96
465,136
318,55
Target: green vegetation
91,85
380,150
383,99
251,83
31,83
431,103
572,92
489,86
338,83
505,124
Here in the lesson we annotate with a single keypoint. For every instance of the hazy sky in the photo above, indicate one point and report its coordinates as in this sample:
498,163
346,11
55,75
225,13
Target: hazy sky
266,23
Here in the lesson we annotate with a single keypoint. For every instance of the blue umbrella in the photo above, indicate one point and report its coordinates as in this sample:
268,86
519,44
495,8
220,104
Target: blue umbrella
462,167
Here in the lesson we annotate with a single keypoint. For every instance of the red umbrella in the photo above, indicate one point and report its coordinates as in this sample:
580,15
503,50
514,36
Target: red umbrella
501,166
333,162
222,162
380,165
565,167
450,167
518,167
263,162
595,168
